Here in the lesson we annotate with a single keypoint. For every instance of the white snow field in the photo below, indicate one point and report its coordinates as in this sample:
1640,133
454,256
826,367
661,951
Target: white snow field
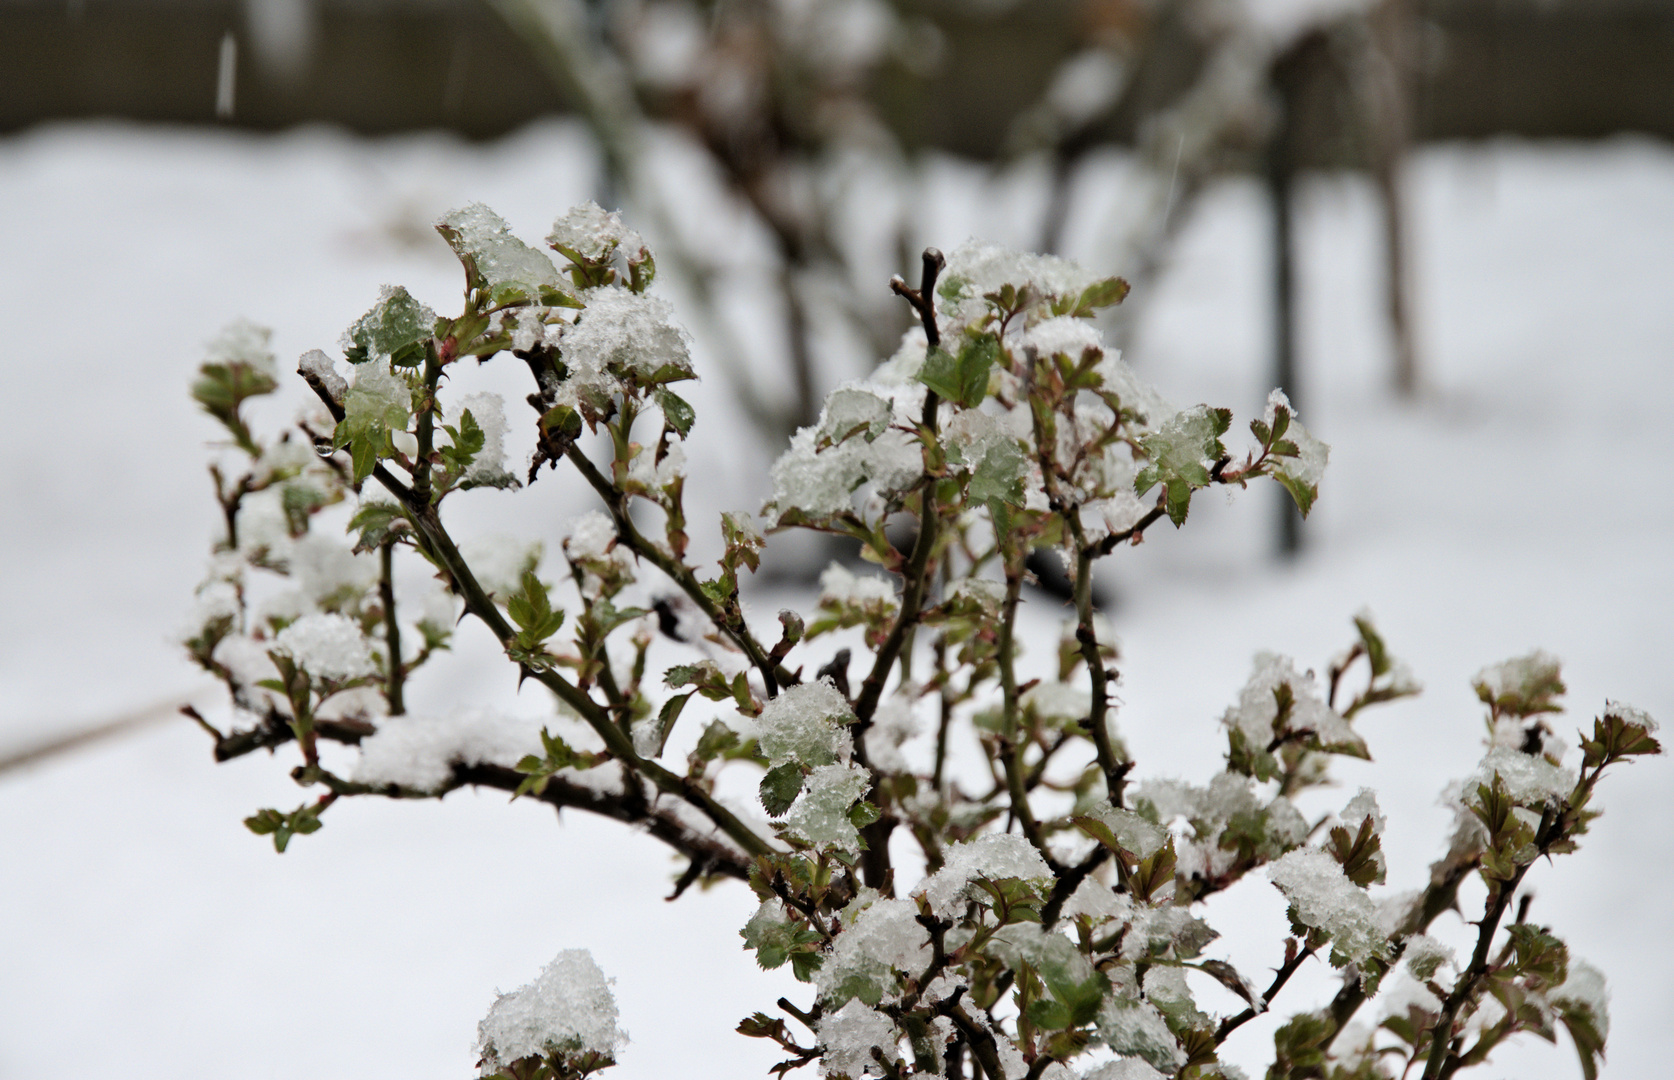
144,933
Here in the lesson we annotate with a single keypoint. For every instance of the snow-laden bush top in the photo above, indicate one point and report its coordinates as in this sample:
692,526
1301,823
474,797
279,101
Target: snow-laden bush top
1060,912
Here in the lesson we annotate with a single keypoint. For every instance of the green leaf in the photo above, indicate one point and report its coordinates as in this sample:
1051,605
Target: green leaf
222,388
863,813
666,718
779,789
1100,294
962,379
999,476
1180,455
303,820
532,611
395,329
1303,494
677,412
376,522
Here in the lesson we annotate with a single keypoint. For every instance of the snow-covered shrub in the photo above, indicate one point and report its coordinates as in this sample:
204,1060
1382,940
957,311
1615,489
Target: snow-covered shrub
1061,912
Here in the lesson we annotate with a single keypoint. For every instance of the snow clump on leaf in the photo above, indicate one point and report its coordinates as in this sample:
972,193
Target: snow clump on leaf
328,647
883,938
1530,780
631,332
569,1012
592,234
994,856
821,815
483,241
806,724
1325,899
848,1037
244,342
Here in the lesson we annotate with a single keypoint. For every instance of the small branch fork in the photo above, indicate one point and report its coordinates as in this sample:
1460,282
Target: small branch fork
875,865
433,538
708,855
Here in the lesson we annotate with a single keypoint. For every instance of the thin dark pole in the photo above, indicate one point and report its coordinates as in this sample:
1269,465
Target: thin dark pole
1281,179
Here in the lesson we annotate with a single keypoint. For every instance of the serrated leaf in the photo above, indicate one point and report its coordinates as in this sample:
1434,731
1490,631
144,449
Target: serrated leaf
962,379
999,476
863,813
677,412
395,329
779,789
1180,454
1100,294
376,522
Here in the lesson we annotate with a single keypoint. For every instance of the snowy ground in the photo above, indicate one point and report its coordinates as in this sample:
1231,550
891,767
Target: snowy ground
144,929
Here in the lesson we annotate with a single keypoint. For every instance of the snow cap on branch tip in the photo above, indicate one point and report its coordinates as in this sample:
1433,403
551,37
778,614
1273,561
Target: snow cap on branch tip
568,1012
328,647
243,342
593,233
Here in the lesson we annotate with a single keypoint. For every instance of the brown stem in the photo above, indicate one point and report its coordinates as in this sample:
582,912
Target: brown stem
629,536
392,630
1280,977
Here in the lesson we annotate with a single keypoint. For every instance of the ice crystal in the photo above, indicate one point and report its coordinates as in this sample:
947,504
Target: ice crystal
489,412
329,647
568,1011
1325,899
